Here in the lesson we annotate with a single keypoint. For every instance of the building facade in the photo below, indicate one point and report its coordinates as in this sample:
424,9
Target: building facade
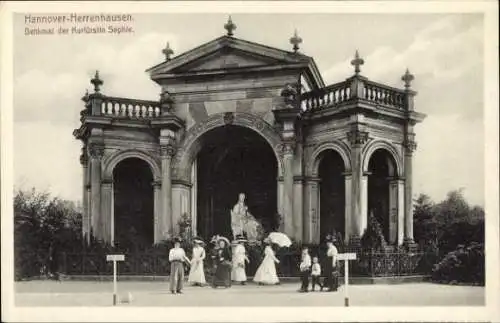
236,116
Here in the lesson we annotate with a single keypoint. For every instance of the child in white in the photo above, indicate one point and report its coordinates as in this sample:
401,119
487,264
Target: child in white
305,268
316,274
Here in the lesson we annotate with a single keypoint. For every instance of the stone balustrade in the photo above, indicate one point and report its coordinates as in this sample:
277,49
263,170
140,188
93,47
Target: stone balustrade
129,108
339,93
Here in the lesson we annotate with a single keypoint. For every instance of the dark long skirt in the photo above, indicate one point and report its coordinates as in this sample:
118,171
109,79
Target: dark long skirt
222,275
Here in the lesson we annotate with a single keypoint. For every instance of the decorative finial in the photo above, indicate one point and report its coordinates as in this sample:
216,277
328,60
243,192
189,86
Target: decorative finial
407,78
295,41
357,62
97,82
167,51
230,27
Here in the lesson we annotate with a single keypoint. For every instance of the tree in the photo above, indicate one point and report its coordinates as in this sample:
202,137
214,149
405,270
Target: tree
425,226
43,226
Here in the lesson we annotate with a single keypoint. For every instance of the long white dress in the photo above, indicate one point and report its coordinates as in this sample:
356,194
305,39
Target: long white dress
239,257
266,273
197,272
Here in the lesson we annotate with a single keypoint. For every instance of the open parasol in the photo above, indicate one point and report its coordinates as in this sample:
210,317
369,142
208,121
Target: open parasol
280,239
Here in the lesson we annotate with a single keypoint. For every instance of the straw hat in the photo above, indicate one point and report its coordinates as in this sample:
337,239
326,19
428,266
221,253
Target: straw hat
198,240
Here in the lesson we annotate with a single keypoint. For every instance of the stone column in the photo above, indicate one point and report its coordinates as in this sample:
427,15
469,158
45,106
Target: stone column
181,203
158,225
298,220
96,152
106,208
401,211
280,186
194,198
348,206
363,223
287,199
393,210
165,221
410,147
357,139
85,198
311,216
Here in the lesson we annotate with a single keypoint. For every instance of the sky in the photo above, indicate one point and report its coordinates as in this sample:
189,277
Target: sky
444,52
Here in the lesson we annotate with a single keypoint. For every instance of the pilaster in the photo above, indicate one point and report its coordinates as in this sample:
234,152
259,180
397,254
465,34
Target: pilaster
357,138
311,205
96,151
86,226
287,198
106,211
166,222
410,146
158,224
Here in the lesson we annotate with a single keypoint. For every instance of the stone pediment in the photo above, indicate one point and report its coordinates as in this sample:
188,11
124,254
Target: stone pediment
226,53
230,58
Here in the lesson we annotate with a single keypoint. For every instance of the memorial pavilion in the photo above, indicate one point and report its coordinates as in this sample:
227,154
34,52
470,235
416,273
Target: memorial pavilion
236,116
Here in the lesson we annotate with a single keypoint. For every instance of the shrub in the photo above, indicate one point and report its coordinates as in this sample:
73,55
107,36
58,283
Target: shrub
464,265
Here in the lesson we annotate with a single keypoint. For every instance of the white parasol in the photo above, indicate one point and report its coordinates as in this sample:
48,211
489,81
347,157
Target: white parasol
280,239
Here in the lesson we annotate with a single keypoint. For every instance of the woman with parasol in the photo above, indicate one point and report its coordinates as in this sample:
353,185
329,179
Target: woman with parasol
197,273
222,260
266,273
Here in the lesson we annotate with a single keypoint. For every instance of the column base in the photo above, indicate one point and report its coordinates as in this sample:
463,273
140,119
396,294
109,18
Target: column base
354,244
410,245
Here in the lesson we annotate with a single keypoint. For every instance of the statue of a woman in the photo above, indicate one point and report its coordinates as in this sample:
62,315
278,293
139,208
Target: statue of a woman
242,222
238,216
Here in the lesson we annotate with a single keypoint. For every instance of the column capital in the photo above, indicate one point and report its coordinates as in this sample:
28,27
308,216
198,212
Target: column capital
96,150
286,148
410,146
167,151
357,138
156,184
346,174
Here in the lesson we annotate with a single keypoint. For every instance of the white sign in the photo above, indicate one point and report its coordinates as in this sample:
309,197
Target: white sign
346,256
115,257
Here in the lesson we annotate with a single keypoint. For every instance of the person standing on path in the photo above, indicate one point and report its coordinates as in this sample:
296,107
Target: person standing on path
197,271
331,278
177,257
240,258
266,273
305,268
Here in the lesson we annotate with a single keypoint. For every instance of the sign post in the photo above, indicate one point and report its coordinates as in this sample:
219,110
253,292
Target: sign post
346,257
114,259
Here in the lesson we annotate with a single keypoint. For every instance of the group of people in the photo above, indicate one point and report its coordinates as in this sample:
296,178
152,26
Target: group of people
312,269
228,266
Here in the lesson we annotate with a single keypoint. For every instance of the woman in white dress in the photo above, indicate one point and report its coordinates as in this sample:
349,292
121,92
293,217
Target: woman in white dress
197,271
240,258
266,273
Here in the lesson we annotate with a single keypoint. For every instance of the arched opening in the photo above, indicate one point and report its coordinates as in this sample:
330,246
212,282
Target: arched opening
133,204
331,194
234,159
381,168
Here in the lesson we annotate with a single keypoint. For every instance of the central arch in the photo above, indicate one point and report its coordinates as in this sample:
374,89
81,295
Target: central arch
233,160
193,139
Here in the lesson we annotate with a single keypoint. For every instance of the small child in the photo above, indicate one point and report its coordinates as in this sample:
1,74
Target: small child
305,267
316,274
